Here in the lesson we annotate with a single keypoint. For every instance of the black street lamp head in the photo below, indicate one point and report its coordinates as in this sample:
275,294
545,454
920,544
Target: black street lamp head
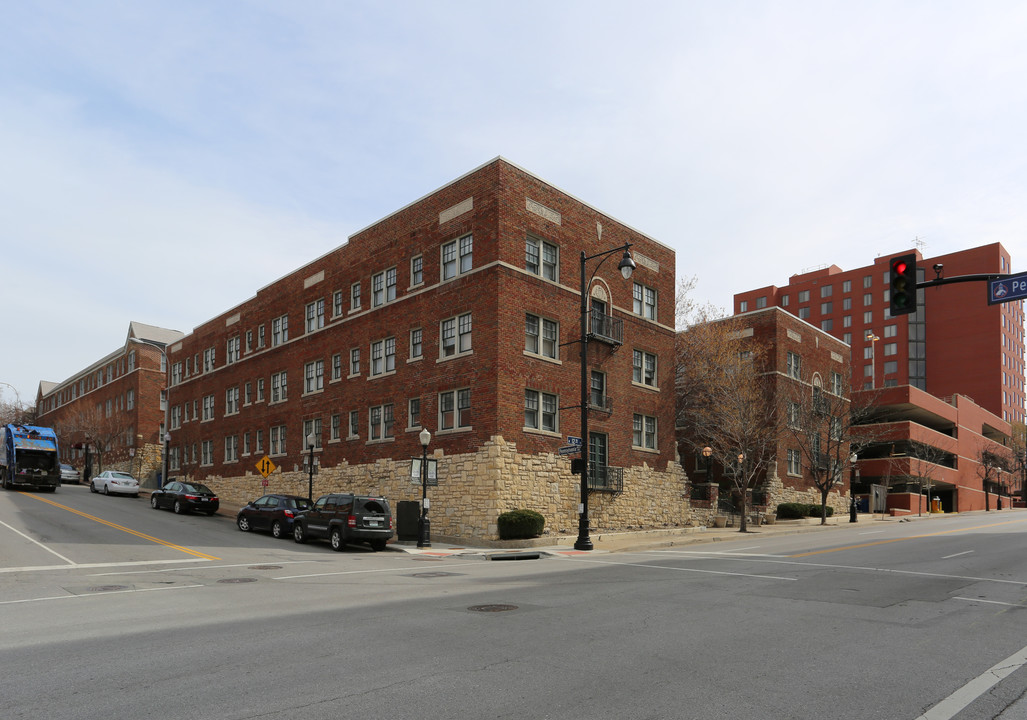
626,265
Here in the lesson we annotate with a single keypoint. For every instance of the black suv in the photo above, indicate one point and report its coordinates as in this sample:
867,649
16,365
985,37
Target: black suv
344,518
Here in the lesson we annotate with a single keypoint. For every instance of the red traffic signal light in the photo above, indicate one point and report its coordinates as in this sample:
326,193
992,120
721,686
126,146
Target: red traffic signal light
902,284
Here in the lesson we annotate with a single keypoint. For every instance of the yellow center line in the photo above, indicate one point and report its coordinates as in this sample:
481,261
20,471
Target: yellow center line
912,537
144,536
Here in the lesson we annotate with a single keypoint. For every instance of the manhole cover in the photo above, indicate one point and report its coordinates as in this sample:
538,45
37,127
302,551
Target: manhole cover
107,588
230,581
265,567
433,574
492,608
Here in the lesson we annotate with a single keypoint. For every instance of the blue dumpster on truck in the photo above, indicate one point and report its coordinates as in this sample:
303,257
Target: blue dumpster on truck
28,457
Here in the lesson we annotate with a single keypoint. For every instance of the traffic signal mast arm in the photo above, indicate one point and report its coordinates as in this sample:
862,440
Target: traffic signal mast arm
902,272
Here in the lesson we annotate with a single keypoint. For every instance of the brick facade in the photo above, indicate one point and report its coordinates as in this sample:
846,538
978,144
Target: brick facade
497,303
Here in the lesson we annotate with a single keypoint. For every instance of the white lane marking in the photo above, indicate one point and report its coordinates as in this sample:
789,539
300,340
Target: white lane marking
368,572
989,602
89,566
965,552
89,595
54,552
206,567
716,553
872,532
685,570
957,701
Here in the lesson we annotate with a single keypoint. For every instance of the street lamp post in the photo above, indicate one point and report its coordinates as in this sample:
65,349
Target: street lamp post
311,439
626,267
871,338
423,524
853,478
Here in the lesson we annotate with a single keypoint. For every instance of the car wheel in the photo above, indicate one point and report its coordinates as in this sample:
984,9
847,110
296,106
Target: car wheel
338,542
92,488
243,522
297,533
178,507
153,500
276,529
377,545
106,490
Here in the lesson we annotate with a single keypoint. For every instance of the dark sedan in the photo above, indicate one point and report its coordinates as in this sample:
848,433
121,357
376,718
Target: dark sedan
183,497
272,512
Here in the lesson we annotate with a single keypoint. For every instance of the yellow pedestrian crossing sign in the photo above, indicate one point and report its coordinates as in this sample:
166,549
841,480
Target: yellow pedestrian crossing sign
265,467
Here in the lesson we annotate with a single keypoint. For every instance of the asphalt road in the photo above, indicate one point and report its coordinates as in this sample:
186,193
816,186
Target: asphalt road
109,609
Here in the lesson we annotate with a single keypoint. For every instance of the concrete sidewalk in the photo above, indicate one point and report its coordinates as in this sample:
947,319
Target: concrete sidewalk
563,545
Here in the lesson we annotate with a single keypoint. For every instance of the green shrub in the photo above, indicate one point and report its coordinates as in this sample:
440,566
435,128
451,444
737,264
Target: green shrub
814,510
792,511
517,524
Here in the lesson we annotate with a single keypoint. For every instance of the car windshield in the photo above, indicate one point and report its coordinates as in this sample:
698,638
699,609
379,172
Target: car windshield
121,476
302,504
196,487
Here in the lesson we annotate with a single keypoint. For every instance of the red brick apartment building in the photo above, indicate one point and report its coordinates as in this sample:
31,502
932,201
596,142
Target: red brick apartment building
115,406
803,361
458,313
964,356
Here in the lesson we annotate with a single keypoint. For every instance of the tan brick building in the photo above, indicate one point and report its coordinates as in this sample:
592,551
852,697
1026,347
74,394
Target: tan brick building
458,313
115,406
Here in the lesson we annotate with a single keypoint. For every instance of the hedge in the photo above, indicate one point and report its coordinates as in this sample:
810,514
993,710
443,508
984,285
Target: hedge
797,511
516,524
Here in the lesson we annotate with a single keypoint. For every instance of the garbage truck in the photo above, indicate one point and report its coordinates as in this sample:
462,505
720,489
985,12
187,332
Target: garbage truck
28,457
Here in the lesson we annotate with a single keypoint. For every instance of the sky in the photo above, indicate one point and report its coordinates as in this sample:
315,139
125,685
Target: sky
162,161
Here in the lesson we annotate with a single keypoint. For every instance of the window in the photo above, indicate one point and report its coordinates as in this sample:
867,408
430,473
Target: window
378,289
868,317
354,424
259,441
314,376
643,368
208,359
232,350
417,271
794,462
337,366
383,356
457,257
279,330
337,304
826,308
598,459
826,291
847,321
743,306
390,284
846,286
761,302
208,407
231,448
867,281
354,296
891,330
279,387
315,315
277,438
847,303
336,429
260,336
891,349
643,432
597,396
827,325
793,415
541,336
542,258
381,426
416,345
868,299
312,427
246,444
207,450
540,411
644,301
804,313
785,299
891,367
260,390
130,400
455,409
414,413
456,335
794,365
804,296
837,388
231,401
131,360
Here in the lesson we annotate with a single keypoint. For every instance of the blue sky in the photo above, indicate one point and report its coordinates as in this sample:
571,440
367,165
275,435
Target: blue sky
161,161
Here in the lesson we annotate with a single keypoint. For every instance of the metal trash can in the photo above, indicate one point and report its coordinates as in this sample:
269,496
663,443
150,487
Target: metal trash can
408,512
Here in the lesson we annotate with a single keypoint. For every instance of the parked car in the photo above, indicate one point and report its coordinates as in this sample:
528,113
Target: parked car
272,512
183,497
112,482
342,518
70,474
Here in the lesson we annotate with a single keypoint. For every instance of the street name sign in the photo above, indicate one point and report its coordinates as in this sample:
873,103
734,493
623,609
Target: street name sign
569,450
1007,289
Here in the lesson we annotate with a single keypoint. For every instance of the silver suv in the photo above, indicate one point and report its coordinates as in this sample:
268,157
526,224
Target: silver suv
343,518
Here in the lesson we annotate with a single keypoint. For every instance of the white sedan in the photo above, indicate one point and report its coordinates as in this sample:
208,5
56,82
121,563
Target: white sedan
113,482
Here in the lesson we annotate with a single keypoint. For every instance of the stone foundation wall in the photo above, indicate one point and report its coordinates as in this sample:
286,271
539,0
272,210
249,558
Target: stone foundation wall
475,488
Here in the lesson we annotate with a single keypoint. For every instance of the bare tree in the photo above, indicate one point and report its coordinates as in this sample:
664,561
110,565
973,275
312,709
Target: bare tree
924,461
725,399
991,463
98,429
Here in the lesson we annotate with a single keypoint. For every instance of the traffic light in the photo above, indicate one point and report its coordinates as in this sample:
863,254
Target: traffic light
902,282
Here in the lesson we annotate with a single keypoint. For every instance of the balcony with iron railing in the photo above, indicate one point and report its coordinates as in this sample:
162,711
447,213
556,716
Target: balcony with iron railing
600,402
605,328
603,478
